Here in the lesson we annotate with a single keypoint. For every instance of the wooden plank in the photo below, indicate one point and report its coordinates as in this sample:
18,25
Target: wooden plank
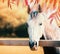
25,42
49,43
14,42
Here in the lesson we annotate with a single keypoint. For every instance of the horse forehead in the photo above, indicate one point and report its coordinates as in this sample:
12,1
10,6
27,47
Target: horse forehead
40,19
40,16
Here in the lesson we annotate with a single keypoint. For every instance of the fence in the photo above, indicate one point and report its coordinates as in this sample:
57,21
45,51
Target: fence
25,42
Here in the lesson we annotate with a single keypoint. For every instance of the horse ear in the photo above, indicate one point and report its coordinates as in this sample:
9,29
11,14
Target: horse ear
39,8
28,9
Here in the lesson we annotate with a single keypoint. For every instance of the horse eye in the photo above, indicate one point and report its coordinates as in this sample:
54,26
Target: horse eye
40,24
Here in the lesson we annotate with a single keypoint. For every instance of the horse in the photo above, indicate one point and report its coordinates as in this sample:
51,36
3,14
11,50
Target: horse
40,25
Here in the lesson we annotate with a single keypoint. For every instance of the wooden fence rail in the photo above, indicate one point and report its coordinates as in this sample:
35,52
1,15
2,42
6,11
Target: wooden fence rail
25,42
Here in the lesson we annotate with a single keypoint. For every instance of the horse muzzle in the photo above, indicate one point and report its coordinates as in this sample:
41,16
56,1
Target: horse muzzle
33,45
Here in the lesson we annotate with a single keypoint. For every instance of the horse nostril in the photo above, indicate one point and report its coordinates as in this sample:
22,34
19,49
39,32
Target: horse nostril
31,44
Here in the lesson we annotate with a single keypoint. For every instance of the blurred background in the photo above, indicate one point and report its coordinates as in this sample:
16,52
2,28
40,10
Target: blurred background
13,19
